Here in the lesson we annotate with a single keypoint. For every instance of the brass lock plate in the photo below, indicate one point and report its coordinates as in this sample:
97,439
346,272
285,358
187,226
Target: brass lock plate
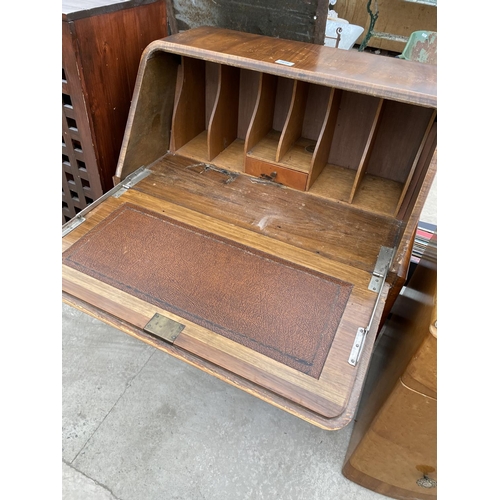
165,328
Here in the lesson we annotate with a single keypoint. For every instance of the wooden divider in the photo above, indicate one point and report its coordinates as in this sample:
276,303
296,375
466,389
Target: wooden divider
223,125
323,145
262,119
189,110
291,130
415,162
365,157
426,158
293,124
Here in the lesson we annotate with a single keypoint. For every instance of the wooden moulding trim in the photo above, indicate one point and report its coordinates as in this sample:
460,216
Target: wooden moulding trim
365,157
293,124
322,150
73,15
76,88
317,64
415,162
223,125
130,120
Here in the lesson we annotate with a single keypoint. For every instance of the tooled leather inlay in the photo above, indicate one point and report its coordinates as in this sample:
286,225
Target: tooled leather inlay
282,310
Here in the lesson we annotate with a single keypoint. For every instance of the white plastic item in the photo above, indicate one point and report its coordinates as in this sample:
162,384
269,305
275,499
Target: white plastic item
350,33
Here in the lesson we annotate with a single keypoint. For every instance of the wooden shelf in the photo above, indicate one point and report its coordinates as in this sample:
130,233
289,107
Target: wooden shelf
378,195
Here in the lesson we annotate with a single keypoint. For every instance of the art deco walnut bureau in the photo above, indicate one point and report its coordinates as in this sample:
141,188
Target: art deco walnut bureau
265,202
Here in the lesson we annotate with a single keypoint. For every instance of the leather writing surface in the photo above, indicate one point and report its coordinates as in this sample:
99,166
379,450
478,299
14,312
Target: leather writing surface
284,311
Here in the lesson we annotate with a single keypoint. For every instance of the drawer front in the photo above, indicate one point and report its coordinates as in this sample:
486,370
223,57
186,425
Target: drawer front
281,175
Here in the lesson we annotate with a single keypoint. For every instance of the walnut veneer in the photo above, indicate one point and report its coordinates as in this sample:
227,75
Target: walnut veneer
303,155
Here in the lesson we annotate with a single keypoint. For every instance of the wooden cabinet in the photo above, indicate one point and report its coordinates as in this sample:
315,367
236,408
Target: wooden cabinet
267,194
102,42
393,448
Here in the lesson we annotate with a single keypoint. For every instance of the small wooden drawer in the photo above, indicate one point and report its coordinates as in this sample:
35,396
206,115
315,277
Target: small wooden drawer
281,175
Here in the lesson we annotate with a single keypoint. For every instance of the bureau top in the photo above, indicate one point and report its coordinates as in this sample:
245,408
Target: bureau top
386,77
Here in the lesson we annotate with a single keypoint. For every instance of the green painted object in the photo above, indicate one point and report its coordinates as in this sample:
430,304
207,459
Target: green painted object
421,47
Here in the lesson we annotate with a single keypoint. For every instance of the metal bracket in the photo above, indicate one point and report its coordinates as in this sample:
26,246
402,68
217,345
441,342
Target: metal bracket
164,328
359,341
117,191
379,275
131,181
72,224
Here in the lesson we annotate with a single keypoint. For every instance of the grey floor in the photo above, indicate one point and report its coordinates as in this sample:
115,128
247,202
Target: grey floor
138,424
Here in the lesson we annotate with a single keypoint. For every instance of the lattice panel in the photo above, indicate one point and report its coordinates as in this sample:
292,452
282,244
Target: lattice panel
80,183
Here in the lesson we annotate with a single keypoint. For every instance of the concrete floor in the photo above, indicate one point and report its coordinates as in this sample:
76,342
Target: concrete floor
138,424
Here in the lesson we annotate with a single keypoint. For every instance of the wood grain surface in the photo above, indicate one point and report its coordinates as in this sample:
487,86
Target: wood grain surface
330,393
109,48
335,189
390,78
